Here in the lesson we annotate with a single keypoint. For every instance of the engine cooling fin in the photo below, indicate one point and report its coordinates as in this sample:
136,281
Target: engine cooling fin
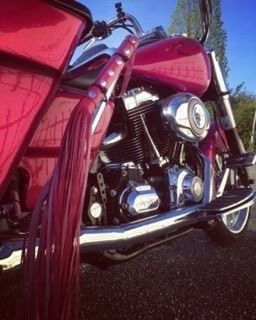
135,147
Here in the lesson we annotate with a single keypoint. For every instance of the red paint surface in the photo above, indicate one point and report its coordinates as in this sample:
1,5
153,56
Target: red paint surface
38,31
36,43
179,63
214,143
43,150
22,95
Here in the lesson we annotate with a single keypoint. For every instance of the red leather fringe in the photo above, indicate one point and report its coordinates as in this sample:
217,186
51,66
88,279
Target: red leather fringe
52,279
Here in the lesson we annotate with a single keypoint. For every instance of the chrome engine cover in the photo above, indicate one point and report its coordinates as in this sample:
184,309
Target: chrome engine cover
185,115
139,198
184,186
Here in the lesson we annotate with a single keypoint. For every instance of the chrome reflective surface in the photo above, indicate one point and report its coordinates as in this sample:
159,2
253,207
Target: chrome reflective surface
97,115
223,183
95,210
208,174
236,221
184,186
198,114
185,115
139,198
123,235
158,158
128,17
135,97
228,120
113,138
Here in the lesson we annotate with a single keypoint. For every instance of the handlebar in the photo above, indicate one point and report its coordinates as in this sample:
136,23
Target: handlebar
127,17
102,29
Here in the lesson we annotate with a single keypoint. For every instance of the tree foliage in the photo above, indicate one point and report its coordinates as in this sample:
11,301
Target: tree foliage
186,19
244,107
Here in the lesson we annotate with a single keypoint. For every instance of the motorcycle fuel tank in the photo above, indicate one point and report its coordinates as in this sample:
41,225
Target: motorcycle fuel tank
178,63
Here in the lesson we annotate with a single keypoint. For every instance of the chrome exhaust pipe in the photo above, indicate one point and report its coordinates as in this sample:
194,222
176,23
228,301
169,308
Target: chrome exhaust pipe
114,237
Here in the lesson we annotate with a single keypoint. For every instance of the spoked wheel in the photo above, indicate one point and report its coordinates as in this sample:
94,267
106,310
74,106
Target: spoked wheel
230,227
236,222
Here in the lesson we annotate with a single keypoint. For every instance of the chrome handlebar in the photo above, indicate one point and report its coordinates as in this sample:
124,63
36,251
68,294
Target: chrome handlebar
127,17
121,21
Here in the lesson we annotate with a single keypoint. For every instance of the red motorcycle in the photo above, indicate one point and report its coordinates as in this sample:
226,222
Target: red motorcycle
114,154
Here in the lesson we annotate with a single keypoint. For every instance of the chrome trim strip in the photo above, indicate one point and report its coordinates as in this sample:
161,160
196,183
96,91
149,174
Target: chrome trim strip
254,160
223,183
97,116
208,179
227,120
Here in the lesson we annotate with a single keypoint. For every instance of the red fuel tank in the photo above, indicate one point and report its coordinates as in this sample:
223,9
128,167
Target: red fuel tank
179,63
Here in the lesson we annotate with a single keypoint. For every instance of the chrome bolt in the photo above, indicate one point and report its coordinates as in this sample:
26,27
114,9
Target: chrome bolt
125,206
115,220
96,210
113,193
124,173
132,184
94,190
141,172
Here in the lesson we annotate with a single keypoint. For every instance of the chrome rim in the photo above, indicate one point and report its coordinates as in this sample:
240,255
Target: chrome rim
236,221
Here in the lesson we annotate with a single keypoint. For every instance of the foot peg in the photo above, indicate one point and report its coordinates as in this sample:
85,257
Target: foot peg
241,160
230,201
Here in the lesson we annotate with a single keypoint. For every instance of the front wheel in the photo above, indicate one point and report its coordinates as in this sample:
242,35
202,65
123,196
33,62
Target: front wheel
230,227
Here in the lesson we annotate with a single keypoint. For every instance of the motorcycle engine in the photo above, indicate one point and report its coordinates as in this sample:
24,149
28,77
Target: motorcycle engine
148,166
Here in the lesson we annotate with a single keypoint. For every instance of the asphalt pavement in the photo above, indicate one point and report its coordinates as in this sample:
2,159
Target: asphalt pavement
190,279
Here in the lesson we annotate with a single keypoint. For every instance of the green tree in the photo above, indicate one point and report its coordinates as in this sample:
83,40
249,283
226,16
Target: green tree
186,19
244,107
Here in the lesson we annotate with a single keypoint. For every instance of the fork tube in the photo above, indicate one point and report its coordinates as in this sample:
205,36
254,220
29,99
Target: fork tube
227,119
225,110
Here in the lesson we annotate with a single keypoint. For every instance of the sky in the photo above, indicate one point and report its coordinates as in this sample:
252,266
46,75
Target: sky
239,19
